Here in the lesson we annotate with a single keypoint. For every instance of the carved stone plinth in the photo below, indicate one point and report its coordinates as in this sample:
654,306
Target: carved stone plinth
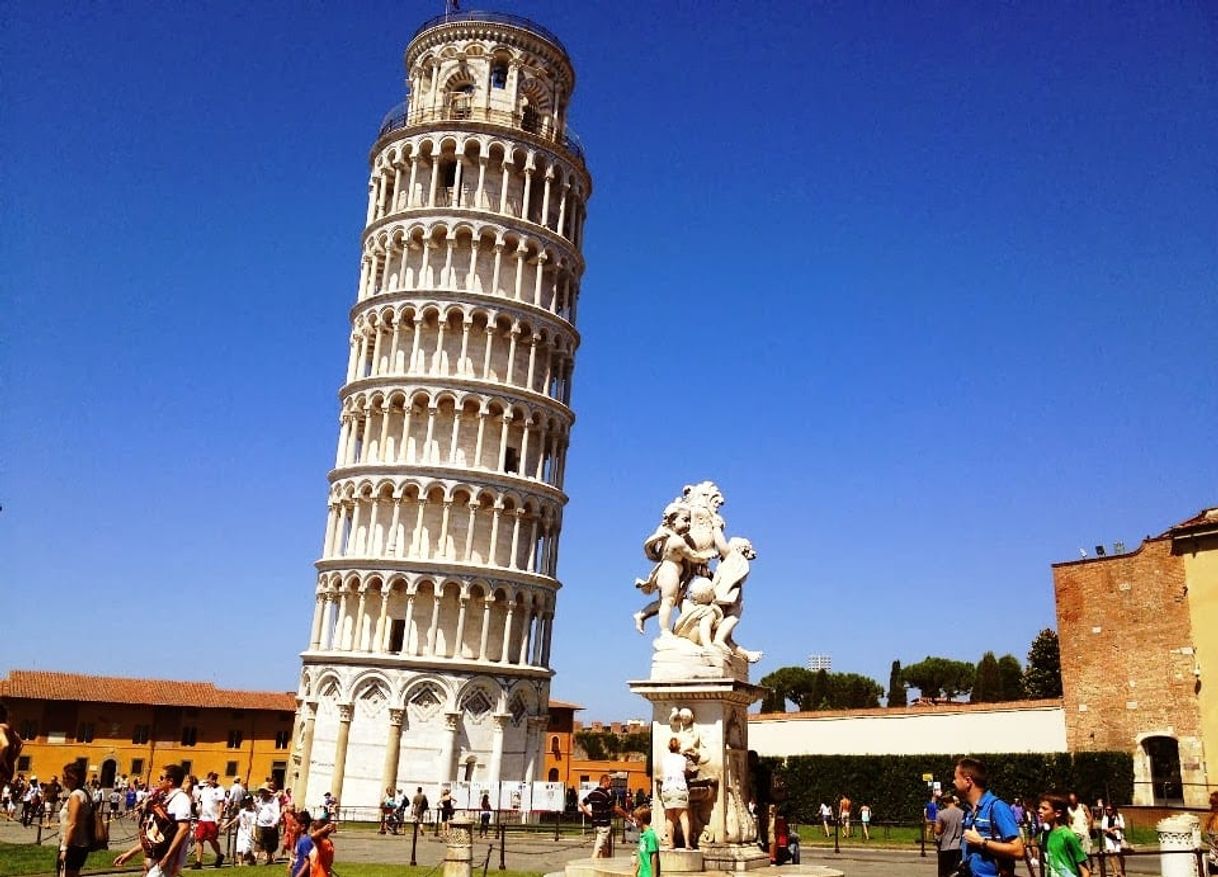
459,855
714,731
680,861
734,857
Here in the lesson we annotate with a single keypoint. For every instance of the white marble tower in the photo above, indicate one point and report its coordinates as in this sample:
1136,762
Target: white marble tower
429,654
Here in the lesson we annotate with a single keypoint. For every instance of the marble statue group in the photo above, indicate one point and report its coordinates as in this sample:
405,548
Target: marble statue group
707,602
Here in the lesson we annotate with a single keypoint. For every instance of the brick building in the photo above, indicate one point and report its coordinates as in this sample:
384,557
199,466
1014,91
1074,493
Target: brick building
1139,656
132,727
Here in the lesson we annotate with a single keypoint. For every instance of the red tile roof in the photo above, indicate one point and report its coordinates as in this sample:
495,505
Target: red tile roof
562,704
1204,519
46,685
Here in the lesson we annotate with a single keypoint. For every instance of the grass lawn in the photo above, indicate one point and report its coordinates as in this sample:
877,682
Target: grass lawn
25,860
22,859
363,869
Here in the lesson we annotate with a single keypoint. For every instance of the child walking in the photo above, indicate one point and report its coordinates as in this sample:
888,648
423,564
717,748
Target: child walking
1063,854
649,845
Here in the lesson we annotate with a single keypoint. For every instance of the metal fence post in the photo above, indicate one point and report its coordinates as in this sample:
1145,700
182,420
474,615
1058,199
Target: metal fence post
414,843
837,824
502,846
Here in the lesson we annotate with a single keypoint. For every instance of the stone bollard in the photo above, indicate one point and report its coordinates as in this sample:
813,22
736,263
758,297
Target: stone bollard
1177,834
459,856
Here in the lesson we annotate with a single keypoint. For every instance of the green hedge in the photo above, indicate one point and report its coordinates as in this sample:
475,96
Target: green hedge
893,786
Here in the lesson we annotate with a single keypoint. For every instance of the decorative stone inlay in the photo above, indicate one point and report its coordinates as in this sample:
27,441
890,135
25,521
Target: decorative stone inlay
426,702
518,708
477,705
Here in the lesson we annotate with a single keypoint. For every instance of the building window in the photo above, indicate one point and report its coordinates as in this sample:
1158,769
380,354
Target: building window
286,717
23,763
190,712
140,733
235,714
282,739
530,121
511,460
84,732
499,71
190,735
29,729
397,633
137,767
230,768
235,739
188,766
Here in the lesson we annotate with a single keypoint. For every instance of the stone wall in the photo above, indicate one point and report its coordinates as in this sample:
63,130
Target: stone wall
1128,658
1031,726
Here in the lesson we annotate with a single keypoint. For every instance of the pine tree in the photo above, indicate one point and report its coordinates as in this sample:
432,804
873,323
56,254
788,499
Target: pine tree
1043,677
896,687
987,685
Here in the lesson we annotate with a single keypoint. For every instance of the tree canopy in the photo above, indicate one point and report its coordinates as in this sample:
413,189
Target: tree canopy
1043,676
897,696
940,677
821,690
987,681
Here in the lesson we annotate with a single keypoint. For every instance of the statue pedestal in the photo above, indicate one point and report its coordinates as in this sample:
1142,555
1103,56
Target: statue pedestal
721,824
680,861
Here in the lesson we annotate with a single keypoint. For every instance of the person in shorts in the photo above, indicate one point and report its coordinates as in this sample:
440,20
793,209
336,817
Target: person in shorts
674,794
600,807
267,820
207,829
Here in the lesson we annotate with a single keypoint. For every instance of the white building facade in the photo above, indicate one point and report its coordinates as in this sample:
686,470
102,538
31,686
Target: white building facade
428,657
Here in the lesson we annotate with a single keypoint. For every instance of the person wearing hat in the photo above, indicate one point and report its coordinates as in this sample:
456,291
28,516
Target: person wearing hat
268,819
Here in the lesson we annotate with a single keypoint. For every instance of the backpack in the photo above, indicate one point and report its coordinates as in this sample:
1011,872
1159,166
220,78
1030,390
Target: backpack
97,829
157,827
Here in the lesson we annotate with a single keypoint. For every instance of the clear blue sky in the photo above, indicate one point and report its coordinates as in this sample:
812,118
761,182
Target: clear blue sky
929,289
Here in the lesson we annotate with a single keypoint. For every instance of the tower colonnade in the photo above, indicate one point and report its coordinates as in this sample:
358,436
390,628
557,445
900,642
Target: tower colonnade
428,657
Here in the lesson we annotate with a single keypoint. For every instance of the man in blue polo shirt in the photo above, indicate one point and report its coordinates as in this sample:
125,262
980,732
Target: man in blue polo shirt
992,843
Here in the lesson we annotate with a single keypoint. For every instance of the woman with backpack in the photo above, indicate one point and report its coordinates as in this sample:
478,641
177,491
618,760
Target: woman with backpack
74,822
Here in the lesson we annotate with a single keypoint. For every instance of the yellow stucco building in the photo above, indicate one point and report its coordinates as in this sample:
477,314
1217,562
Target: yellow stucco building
121,727
1196,541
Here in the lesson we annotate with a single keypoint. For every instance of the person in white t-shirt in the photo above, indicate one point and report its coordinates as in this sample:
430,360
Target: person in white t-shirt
207,829
177,803
269,816
236,797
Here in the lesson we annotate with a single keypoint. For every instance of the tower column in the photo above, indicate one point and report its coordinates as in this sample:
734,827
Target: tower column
496,766
393,749
448,743
345,712
308,717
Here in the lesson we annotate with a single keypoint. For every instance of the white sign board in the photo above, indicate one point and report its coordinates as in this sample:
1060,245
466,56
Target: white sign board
550,797
515,796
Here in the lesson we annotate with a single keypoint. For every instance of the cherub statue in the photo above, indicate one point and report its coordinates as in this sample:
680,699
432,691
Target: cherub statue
700,614
729,589
674,557
681,720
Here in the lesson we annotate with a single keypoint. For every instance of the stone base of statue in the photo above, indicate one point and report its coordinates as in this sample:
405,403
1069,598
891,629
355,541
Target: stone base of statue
734,857
680,861
677,658
700,696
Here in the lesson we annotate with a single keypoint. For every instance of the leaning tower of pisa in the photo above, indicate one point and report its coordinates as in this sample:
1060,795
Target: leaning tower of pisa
428,658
